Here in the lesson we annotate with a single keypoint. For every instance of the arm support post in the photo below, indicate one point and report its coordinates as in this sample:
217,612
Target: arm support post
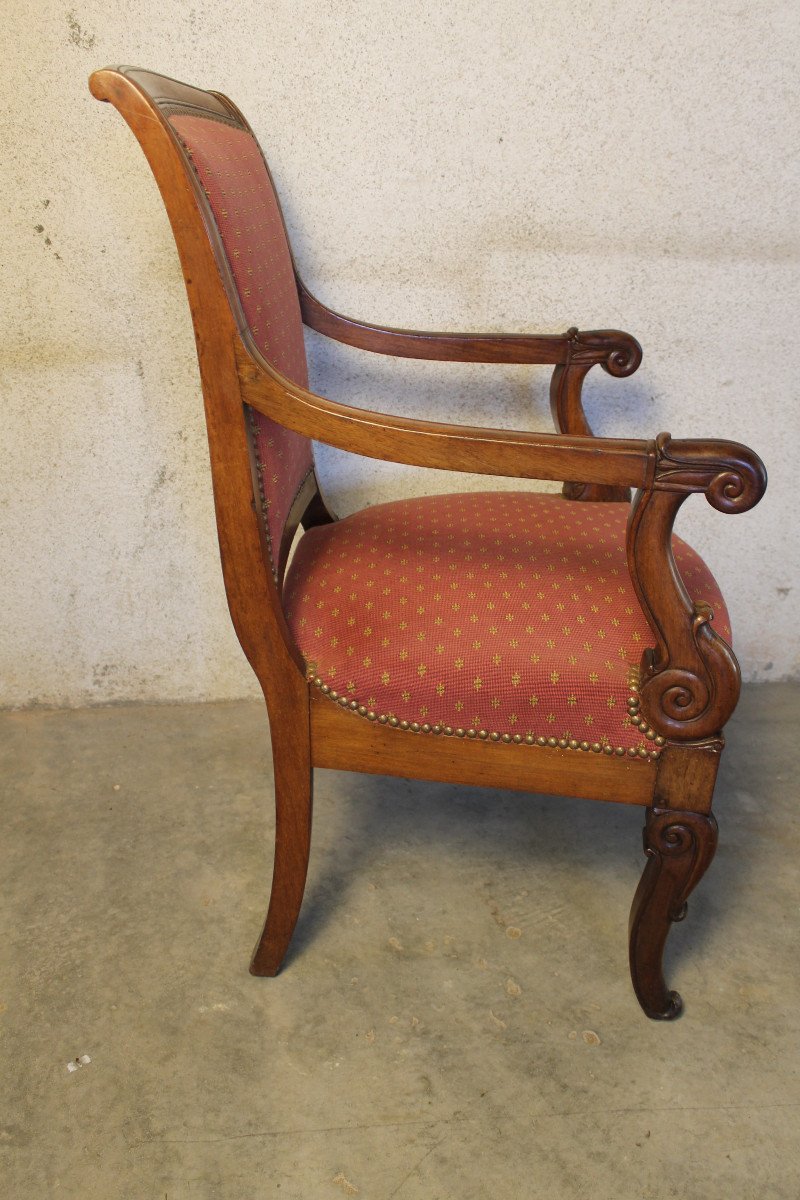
566,402
690,681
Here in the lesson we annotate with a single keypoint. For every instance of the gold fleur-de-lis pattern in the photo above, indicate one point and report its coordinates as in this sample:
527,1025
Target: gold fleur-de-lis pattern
494,615
231,169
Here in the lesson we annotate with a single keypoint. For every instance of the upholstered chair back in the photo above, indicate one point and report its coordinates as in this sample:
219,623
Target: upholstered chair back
231,169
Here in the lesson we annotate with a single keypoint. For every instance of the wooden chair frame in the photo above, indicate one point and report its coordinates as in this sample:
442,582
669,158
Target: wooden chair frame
689,677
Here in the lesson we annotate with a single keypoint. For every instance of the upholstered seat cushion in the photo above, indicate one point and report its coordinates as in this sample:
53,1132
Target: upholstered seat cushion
505,615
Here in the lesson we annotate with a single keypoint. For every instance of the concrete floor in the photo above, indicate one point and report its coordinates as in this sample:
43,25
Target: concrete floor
430,1034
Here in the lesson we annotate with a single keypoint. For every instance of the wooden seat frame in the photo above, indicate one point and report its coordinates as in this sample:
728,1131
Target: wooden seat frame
689,676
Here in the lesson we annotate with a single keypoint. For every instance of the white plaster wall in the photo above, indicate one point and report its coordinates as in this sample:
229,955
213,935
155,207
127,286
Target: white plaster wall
502,165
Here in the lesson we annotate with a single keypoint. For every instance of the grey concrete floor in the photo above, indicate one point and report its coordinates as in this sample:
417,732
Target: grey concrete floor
455,1019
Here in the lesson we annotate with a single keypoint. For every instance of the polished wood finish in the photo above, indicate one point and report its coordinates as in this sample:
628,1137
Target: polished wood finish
573,355
687,774
566,405
689,676
434,444
291,758
346,742
679,848
618,352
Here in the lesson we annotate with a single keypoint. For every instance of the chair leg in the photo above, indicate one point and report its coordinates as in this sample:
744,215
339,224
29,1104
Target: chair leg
679,847
293,802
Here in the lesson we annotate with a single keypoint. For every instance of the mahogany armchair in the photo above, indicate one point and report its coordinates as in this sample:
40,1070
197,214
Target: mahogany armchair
558,644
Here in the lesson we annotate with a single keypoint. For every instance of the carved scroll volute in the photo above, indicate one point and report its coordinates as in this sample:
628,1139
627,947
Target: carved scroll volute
690,682
617,353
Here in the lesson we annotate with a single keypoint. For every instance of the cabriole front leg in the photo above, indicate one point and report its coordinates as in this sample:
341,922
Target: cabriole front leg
679,847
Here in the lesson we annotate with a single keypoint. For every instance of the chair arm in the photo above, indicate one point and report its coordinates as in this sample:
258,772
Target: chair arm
572,354
620,461
690,681
617,352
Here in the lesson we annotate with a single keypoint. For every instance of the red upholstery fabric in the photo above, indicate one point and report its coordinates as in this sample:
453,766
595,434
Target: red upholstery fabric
504,615
229,164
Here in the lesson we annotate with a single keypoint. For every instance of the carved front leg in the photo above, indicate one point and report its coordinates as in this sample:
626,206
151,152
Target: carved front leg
679,847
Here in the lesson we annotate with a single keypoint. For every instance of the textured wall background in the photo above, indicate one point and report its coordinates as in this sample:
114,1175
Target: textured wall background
503,165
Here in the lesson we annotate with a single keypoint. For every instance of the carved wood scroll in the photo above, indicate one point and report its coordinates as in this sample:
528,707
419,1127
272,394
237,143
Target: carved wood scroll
617,353
679,848
690,680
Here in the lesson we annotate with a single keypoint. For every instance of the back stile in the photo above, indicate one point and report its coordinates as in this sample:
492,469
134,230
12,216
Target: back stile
145,101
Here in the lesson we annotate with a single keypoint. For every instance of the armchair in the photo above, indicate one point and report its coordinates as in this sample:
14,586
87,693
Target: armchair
563,644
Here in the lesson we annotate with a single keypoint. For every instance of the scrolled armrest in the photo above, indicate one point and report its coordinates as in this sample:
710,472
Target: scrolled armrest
731,475
616,461
571,354
615,351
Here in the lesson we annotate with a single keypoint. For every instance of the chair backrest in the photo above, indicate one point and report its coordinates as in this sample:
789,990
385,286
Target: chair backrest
242,207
